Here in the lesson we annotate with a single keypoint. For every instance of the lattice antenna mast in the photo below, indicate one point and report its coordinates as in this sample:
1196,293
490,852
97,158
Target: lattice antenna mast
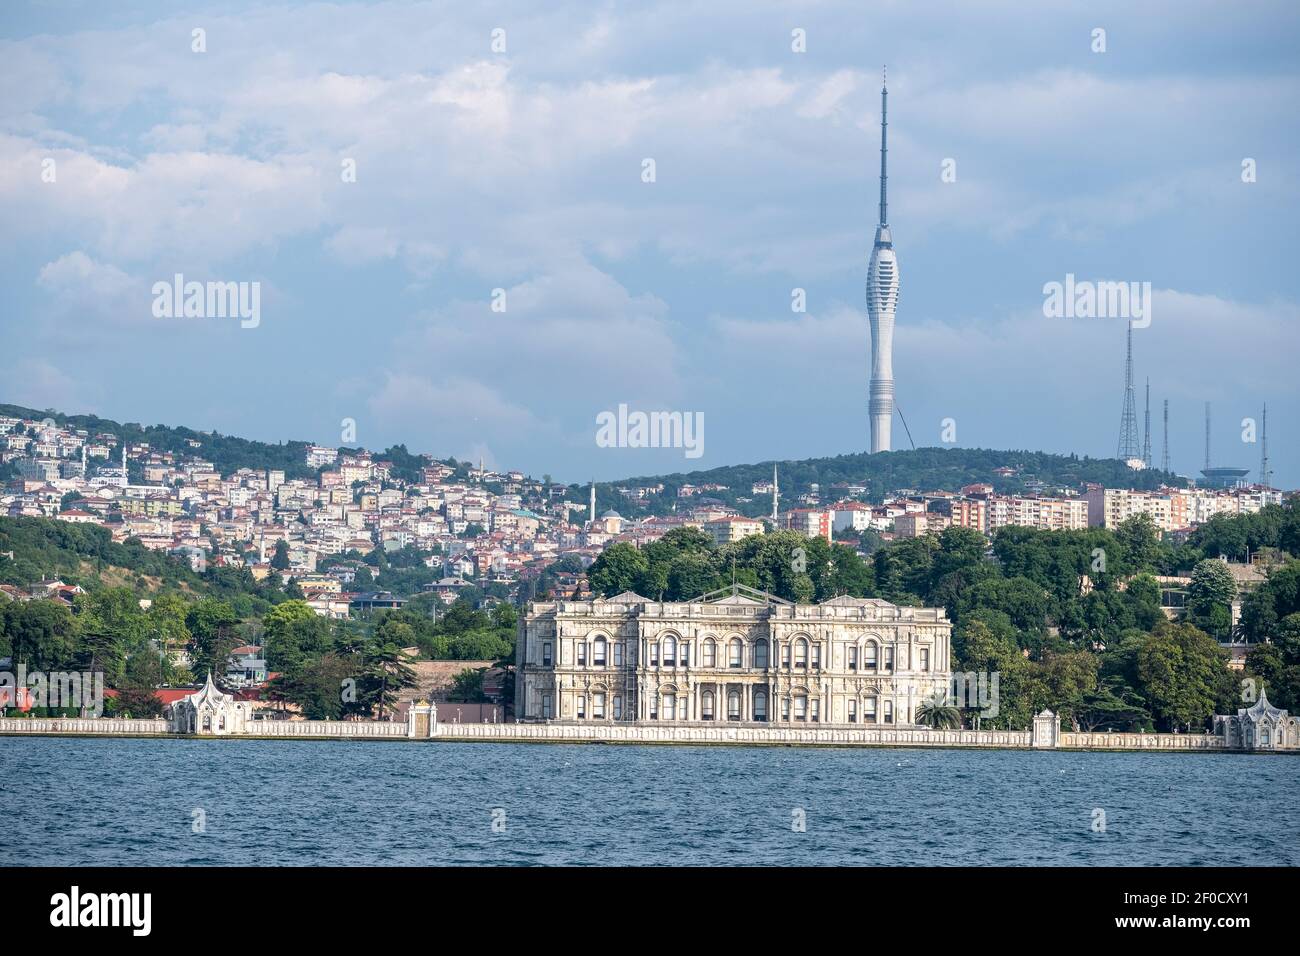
1164,458
1265,473
1146,430
1127,449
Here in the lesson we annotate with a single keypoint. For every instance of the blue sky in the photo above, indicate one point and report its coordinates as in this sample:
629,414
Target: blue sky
521,170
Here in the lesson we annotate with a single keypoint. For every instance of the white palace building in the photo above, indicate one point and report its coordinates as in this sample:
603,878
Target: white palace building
736,655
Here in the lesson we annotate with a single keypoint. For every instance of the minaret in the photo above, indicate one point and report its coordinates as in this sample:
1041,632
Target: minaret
591,514
882,300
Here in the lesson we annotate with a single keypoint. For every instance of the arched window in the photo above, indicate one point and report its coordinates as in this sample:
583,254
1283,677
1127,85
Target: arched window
801,654
760,653
706,705
733,705
735,653
599,649
668,654
760,705
710,653
221,722
207,722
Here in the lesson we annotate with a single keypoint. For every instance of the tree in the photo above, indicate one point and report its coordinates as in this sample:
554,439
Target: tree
386,673
937,711
280,560
467,685
1184,675
1210,597
617,570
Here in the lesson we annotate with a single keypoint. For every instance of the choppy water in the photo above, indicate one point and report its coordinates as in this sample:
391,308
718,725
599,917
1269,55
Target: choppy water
108,802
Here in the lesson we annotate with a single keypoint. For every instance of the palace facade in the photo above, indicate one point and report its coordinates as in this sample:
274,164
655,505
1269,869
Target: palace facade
734,655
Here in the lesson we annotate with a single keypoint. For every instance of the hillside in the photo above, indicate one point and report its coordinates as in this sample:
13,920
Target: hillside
924,469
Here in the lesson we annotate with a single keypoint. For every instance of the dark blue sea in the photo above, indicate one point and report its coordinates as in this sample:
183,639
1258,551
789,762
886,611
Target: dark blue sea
296,803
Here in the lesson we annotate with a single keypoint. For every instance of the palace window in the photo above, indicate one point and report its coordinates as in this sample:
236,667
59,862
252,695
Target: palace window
785,708
582,653
870,661
785,655
706,705
853,711
801,707
598,706
670,707
817,656
889,660
925,658
618,707
598,652
710,653
760,654
733,705
853,658
618,654
546,706
869,710
684,654
889,711
654,654
801,654
816,710
582,706
760,705
546,654
670,651
735,653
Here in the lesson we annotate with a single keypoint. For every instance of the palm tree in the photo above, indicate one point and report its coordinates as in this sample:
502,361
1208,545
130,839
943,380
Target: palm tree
938,711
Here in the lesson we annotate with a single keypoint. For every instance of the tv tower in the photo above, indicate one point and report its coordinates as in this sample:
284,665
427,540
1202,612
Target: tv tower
1146,433
882,300
1164,458
1127,449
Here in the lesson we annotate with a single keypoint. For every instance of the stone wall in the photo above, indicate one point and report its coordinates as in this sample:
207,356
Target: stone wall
98,726
391,729
722,734
1112,741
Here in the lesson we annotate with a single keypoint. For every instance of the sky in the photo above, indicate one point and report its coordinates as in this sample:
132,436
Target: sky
500,156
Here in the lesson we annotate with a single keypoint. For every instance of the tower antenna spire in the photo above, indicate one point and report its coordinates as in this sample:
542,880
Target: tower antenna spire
884,149
1146,432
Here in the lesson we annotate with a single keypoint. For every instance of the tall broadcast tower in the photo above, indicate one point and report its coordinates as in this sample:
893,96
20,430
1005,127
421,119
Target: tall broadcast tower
882,300
1146,432
1128,426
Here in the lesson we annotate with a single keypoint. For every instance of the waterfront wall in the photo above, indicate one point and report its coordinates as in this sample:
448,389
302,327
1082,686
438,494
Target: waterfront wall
1044,735
97,726
1112,741
721,734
